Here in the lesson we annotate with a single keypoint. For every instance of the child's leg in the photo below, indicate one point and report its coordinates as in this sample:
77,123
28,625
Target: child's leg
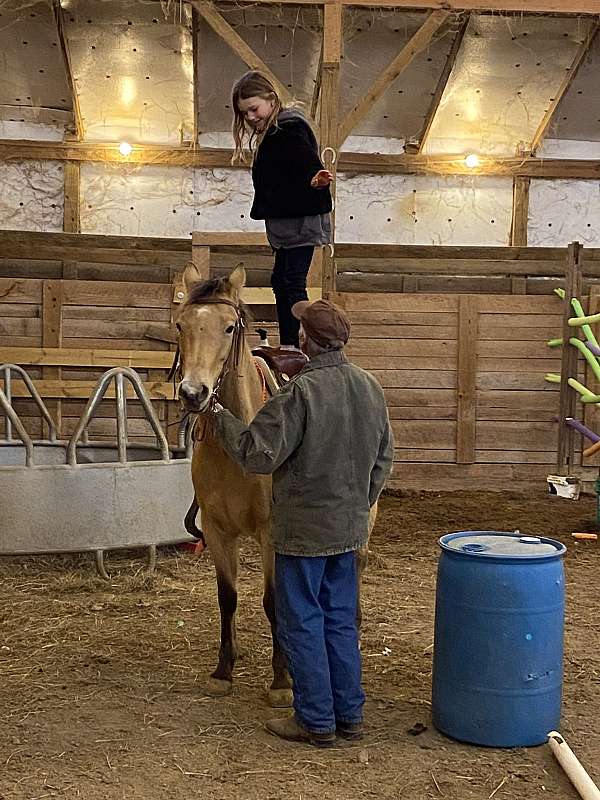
288,280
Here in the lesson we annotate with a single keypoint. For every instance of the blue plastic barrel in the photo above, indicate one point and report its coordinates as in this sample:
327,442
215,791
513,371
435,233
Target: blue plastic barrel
498,647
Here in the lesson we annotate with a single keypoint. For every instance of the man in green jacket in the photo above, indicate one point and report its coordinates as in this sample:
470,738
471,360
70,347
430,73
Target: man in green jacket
327,441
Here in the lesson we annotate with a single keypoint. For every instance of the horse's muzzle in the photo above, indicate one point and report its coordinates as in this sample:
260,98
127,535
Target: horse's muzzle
194,398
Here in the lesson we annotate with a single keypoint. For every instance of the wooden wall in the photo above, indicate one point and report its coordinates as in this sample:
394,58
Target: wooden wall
463,372
463,376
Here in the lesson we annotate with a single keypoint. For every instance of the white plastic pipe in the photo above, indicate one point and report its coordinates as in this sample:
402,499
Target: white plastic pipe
575,772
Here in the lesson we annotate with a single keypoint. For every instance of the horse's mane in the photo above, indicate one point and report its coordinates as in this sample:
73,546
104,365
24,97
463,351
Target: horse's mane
213,287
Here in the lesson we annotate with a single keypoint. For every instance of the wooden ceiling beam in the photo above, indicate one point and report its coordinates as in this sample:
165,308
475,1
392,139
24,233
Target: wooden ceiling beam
66,57
570,75
209,12
569,7
375,163
394,69
442,83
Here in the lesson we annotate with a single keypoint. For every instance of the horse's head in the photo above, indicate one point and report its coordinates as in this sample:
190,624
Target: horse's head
211,325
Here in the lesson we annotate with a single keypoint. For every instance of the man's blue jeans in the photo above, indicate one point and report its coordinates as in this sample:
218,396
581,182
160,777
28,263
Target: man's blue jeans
316,599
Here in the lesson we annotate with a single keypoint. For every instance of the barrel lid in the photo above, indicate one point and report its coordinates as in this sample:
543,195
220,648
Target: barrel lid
501,544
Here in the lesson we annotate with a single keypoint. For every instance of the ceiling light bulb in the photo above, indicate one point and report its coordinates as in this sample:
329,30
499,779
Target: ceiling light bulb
125,149
472,161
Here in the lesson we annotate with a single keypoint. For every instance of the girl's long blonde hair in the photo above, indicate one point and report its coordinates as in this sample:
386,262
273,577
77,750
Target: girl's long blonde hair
251,84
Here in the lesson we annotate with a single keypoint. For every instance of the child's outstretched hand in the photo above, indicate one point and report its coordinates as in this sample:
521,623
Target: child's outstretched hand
322,179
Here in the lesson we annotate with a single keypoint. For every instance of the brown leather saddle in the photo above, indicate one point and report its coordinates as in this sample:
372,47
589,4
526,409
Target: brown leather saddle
284,364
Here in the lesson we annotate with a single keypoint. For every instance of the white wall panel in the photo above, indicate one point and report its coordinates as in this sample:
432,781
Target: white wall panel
563,211
143,201
31,195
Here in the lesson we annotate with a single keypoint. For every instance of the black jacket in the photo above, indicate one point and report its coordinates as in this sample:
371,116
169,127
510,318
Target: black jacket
286,160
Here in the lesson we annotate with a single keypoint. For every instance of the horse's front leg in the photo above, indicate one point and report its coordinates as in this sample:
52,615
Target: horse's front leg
280,692
225,552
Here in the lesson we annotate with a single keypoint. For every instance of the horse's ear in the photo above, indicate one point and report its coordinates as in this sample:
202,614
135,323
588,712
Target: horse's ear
237,279
190,276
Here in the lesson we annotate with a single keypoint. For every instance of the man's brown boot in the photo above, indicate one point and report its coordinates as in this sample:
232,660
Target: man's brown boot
289,728
350,730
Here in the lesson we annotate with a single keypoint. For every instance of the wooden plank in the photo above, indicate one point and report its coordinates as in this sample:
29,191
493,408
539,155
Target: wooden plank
571,72
52,337
400,302
208,11
235,238
457,252
415,379
567,405
541,401
442,83
428,434
108,293
522,6
416,44
85,357
424,398
465,379
520,214
451,266
69,389
512,349
372,163
20,290
432,331
66,57
12,239
402,347
539,436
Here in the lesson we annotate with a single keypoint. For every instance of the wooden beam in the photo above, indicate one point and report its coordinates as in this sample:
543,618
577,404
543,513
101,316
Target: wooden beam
372,163
442,83
81,390
52,337
466,373
520,212
66,57
565,460
570,75
394,69
576,7
195,87
208,11
314,103
330,98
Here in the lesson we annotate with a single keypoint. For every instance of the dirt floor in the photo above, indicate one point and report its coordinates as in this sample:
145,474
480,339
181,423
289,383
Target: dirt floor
101,684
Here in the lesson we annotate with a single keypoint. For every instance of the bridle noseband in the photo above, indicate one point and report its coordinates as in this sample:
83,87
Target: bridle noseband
233,358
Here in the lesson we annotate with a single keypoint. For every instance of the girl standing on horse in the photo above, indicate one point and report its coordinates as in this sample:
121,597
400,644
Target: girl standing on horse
291,189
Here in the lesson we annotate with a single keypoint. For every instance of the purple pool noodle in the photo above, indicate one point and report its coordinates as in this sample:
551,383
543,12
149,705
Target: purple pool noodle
593,348
579,426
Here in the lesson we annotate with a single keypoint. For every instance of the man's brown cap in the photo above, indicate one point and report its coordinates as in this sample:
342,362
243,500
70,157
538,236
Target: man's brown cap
324,322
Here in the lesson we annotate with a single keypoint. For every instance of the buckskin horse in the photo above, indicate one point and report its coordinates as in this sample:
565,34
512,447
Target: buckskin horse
215,361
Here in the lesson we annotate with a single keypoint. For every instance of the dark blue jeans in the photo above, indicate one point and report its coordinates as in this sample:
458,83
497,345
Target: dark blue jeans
288,280
316,600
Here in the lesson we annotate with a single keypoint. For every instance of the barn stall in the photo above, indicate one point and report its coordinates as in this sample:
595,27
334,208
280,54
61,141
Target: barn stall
465,141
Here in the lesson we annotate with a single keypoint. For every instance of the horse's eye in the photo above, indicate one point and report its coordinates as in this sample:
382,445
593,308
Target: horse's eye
178,326
230,329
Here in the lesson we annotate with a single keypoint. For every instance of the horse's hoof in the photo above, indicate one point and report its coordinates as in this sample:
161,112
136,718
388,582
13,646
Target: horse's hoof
216,687
280,698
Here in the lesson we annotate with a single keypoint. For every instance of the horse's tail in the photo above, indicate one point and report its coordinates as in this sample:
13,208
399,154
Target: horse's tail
190,523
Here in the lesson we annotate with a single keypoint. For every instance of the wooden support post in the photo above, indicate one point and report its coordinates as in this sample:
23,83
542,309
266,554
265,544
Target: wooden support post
568,369
52,337
330,91
466,373
71,219
195,86
520,212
